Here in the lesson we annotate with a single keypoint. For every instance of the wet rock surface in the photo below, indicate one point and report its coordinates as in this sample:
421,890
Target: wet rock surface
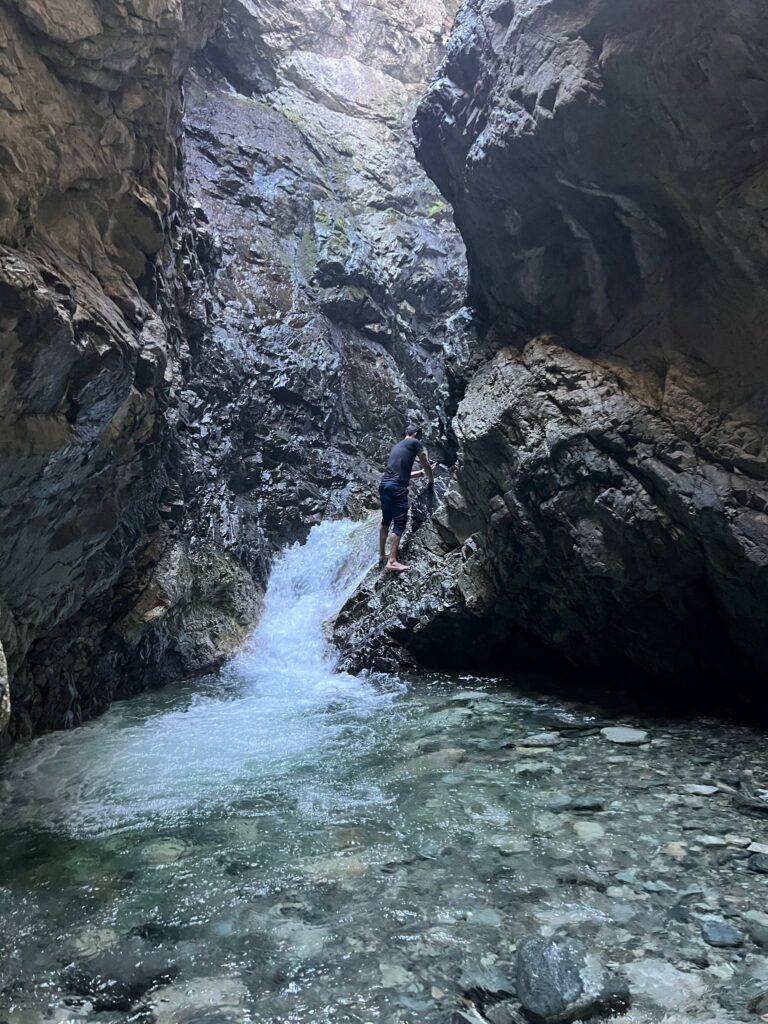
99,281
610,495
561,982
210,332
558,455
339,267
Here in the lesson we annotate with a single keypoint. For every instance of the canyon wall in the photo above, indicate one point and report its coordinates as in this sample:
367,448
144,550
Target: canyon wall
339,268
216,312
97,262
608,167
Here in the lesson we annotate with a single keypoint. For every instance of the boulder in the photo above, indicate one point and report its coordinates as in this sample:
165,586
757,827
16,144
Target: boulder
558,982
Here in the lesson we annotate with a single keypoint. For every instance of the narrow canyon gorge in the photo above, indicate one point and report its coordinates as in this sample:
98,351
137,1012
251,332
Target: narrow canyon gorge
244,244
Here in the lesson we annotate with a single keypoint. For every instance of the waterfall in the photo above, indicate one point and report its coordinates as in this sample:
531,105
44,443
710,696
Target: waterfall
196,751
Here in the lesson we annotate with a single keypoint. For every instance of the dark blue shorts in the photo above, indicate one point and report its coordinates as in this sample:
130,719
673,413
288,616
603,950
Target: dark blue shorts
394,505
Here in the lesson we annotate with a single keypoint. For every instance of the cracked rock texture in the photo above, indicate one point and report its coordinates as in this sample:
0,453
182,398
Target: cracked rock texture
608,167
340,274
99,280
206,342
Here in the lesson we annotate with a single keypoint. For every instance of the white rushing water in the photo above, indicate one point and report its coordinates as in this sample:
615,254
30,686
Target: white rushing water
278,700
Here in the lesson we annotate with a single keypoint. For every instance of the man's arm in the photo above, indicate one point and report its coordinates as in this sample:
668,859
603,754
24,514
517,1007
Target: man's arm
427,468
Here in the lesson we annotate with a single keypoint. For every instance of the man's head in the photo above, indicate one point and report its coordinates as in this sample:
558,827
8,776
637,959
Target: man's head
413,431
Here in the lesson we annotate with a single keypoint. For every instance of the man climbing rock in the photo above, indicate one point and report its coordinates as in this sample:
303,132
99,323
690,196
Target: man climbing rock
393,492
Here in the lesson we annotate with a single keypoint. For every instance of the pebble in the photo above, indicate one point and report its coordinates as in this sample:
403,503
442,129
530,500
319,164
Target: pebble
710,840
589,831
624,734
677,851
757,848
739,841
717,932
696,789
542,739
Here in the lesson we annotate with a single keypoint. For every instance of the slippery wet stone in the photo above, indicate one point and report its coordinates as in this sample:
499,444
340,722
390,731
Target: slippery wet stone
558,982
664,984
116,979
758,863
717,932
624,735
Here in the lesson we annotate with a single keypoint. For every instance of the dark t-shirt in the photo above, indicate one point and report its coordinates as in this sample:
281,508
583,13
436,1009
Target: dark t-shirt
401,460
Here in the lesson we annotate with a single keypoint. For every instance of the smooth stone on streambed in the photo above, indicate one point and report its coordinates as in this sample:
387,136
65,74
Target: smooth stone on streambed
588,831
711,841
758,862
542,739
624,734
697,789
116,979
717,932
664,984
559,982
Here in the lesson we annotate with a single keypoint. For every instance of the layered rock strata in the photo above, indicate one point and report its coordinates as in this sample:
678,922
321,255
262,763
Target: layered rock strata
189,383
339,267
100,296
608,167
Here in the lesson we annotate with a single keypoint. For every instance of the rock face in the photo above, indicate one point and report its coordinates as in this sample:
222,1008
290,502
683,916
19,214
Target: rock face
98,272
608,167
338,263
203,343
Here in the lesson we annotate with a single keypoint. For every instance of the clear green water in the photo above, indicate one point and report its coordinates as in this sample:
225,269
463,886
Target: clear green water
308,846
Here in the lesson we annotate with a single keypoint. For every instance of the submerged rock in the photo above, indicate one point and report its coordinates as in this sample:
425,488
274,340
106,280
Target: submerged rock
717,932
625,735
558,982
117,979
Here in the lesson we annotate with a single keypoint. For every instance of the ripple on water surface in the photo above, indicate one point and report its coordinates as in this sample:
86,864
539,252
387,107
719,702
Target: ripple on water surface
290,844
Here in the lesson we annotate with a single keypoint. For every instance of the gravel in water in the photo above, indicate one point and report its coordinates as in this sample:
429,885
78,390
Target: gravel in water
284,844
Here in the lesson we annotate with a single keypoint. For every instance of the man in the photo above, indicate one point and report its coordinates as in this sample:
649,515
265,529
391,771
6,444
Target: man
393,491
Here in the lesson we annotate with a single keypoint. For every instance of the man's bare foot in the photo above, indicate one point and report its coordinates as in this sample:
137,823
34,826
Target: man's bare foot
398,567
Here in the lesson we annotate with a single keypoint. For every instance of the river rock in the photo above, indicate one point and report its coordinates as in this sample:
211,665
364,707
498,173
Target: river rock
559,982
717,932
542,739
484,984
664,984
758,862
116,979
624,735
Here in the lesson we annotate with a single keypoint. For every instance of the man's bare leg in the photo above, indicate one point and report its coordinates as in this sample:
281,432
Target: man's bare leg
383,533
393,563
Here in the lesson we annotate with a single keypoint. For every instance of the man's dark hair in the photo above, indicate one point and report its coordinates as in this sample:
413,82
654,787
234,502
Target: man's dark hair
412,430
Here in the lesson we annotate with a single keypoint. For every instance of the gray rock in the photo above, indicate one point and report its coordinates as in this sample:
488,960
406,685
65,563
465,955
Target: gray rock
485,984
608,461
117,979
758,933
717,932
624,735
581,874
758,862
542,739
558,982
